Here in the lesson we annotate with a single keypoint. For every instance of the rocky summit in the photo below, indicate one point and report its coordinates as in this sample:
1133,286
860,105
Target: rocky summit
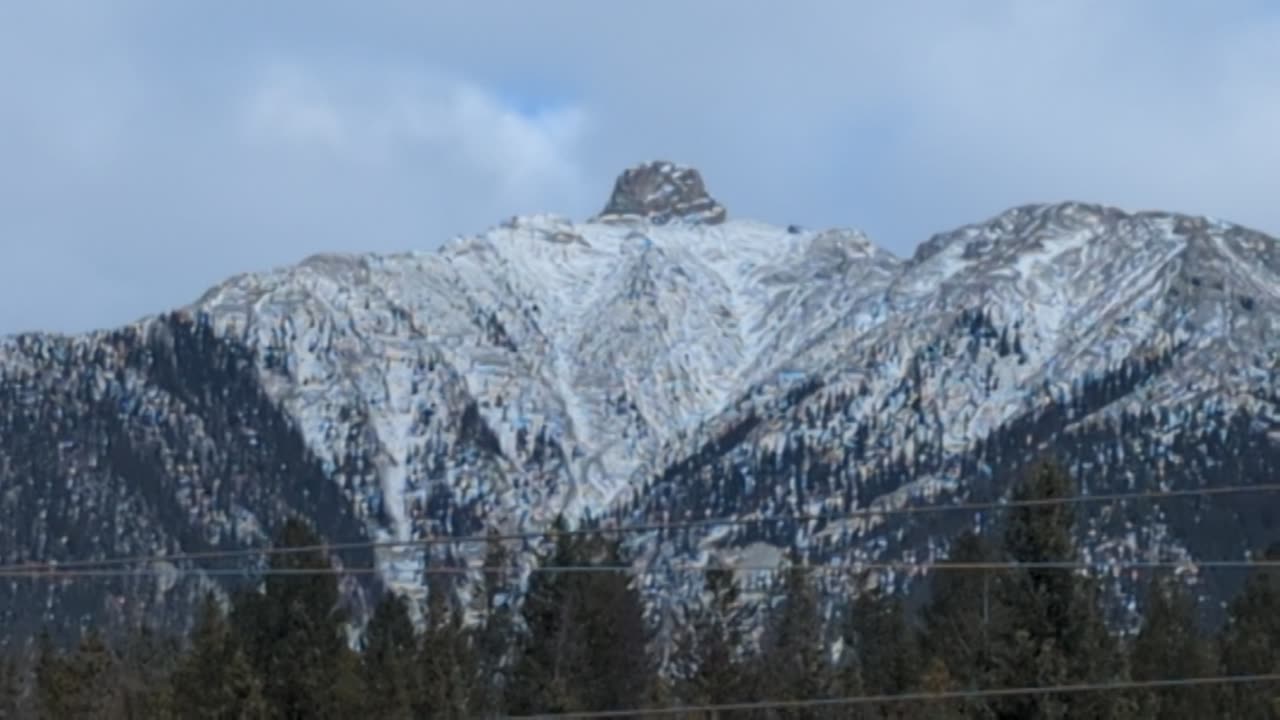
658,363
662,192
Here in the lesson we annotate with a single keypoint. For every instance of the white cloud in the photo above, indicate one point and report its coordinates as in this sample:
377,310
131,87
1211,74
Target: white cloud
287,107
185,142
376,115
524,152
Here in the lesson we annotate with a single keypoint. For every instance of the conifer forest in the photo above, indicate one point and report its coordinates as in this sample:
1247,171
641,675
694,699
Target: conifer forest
579,641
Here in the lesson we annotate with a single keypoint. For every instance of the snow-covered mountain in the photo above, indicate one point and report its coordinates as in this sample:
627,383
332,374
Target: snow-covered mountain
660,361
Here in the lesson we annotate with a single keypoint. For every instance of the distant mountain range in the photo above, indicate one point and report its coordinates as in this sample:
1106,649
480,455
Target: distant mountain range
661,361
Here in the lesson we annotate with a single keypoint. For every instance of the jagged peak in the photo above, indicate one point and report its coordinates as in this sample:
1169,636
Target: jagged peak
661,192
1019,225
1025,226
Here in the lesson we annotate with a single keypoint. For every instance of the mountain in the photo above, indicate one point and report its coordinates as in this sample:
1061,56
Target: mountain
661,361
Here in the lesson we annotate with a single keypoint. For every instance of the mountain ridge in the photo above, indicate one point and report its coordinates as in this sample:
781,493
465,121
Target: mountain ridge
600,369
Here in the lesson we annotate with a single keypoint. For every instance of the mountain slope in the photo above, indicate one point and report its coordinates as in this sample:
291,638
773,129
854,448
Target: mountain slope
660,361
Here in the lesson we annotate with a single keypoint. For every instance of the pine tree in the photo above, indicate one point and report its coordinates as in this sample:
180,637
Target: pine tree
295,633
708,657
585,643
79,684
936,677
388,660
96,671
214,680
846,679
146,665
346,698
1169,646
616,669
956,632
1251,646
493,635
542,680
794,655
1048,629
445,658
10,690
52,685
878,633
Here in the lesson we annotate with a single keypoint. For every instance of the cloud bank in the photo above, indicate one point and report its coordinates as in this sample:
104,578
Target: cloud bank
152,149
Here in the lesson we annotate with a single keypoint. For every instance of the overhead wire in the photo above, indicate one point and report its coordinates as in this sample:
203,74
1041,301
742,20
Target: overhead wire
657,569
112,568
910,697
549,533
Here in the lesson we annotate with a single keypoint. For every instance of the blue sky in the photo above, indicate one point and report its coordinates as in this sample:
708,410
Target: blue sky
152,148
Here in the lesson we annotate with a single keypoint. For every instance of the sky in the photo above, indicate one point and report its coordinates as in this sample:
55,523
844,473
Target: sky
150,149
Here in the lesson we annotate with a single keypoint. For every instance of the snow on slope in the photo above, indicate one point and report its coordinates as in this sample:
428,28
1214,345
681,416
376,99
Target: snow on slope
631,342
614,338
1067,294
544,323
597,354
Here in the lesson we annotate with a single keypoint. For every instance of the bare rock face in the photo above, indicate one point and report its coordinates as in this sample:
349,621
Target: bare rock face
662,192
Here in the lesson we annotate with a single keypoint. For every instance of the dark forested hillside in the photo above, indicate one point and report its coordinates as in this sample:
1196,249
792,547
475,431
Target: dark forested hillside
1130,451
579,643
168,447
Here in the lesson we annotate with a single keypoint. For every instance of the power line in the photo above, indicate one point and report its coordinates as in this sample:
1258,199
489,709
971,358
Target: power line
867,513
652,569
911,697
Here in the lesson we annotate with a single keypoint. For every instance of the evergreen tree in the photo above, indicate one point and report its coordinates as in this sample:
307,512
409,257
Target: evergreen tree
146,667
936,677
1048,628
1169,646
1251,646
95,670
10,690
346,695
878,633
445,660
52,684
708,655
387,666
616,668
214,679
542,680
495,631
794,655
79,684
846,678
584,646
295,633
956,632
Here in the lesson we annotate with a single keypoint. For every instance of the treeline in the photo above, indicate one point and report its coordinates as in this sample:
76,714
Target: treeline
579,641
